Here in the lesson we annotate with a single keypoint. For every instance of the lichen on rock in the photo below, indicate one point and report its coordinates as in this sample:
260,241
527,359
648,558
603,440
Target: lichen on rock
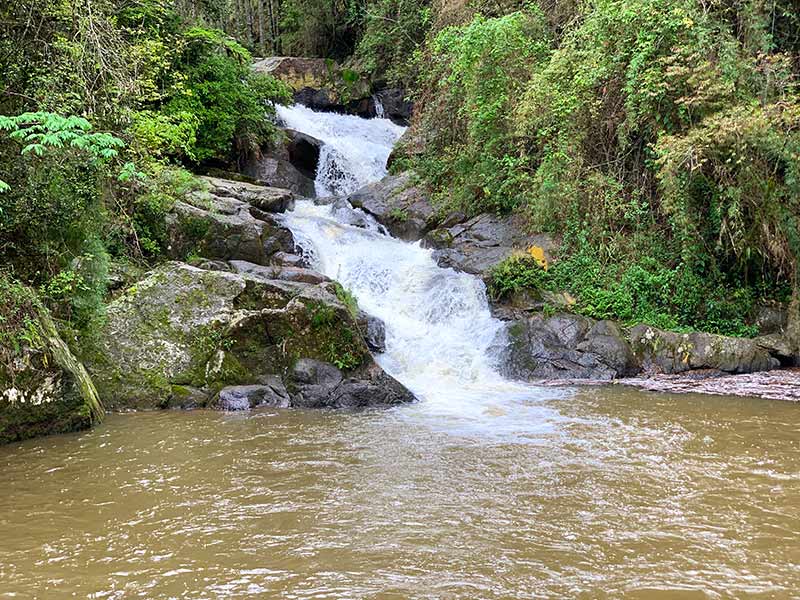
43,388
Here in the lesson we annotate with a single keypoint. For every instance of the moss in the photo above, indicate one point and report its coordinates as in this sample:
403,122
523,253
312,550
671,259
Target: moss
43,387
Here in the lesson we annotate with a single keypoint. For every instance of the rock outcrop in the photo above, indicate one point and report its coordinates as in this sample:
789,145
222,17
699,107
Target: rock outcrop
566,346
320,84
394,105
476,245
43,388
231,221
183,336
397,204
670,353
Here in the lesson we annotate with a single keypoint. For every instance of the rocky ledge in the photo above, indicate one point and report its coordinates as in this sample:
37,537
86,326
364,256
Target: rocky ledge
188,337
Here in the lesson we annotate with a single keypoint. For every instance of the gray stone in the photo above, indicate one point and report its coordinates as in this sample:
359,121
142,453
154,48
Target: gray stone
397,204
221,228
246,397
477,245
317,384
668,352
184,329
565,347
395,105
265,198
297,274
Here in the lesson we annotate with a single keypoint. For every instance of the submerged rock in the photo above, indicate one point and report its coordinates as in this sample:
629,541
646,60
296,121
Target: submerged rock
184,328
43,388
566,346
397,204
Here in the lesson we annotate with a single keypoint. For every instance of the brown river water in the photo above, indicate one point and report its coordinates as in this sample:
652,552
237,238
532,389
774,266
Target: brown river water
618,493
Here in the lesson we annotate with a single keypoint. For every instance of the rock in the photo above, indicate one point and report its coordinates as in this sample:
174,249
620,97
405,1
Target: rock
281,273
245,397
273,168
288,260
266,199
317,384
397,204
223,227
43,388
303,152
374,331
566,347
779,347
186,328
478,244
394,104
319,83
667,352
771,318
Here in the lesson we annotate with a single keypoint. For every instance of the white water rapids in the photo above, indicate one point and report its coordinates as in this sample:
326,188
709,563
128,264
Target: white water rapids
439,331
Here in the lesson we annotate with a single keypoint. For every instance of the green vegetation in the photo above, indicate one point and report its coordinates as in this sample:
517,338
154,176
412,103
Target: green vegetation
104,113
660,138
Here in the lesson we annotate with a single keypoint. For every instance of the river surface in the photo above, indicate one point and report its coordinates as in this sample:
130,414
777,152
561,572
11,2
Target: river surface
625,494
483,489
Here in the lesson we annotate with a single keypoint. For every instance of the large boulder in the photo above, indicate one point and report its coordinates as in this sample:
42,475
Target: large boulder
669,353
43,387
291,163
183,335
317,384
232,221
478,244
566,346
320,84
397,204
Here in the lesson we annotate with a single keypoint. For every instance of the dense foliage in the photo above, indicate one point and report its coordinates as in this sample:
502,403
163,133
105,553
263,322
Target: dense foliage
659,138
103,108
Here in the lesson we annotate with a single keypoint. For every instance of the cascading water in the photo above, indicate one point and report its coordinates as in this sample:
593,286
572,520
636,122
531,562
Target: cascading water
439,331
355,150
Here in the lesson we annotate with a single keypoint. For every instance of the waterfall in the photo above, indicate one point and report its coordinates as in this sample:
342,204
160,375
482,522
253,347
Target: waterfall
355,150
379,110
440,334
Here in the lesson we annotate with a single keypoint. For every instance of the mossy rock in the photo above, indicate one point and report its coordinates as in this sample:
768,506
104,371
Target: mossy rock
43,388
184,328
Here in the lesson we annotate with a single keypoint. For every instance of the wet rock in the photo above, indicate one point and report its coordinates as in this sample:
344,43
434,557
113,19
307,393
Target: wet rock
667,352
317,384
272,170
44,389
303,152
395,106
566,347
246,397
397,204
478,244
187,328
374,331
